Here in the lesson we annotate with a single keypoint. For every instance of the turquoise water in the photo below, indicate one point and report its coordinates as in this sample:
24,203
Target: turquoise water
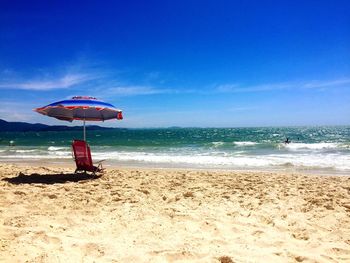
325,148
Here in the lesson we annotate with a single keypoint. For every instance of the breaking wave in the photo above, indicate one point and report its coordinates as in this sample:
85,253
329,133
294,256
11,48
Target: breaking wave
312,146
318,161
245,143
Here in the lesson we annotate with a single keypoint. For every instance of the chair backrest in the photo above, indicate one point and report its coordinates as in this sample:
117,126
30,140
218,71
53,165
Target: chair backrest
82,155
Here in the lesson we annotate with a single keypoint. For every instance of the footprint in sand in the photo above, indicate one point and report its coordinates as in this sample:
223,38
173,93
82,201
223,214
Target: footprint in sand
301,234
329,259
225,259
183,256
340,251
93,249
257,233
299,258
17,221
42,236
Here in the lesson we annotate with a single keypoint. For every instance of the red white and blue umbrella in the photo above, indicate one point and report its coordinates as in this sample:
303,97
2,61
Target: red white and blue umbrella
81,108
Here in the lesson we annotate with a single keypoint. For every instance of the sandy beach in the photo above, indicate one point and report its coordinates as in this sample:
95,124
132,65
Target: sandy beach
48,214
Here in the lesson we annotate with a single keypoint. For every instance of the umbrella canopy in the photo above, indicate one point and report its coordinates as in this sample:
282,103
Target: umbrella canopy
81,108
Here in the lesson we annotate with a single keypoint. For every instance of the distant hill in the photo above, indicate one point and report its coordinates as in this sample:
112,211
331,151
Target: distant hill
6,126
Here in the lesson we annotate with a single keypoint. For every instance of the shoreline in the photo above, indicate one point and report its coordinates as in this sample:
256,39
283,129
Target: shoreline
137,165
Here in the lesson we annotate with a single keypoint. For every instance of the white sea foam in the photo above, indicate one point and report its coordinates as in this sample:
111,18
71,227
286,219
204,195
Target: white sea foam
60,153
320,161
183,159
55,148
217,144
41,153
26,151
34,157
245,143
315,161
311,146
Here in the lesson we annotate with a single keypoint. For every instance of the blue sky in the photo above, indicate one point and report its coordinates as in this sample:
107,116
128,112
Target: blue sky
180,63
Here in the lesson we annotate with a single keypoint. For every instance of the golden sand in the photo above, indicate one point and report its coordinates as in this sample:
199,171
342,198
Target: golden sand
166,215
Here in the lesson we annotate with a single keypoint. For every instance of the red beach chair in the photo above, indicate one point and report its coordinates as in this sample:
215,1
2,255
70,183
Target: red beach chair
82,157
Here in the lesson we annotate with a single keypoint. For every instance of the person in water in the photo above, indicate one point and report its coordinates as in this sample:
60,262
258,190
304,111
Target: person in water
287,141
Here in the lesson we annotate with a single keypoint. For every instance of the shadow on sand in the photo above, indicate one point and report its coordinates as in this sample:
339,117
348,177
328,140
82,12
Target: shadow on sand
49,178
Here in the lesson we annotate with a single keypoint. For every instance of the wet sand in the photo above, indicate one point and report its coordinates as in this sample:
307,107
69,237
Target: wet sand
48,214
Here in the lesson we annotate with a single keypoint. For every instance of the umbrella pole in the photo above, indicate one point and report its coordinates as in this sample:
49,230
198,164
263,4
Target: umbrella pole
84,131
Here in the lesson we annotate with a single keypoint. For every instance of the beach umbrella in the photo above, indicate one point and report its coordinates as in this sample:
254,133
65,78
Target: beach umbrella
81,108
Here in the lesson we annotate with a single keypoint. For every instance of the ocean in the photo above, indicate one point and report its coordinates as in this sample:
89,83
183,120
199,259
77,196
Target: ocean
325,149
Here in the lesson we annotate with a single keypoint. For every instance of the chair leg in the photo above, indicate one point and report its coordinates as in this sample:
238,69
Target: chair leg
100,168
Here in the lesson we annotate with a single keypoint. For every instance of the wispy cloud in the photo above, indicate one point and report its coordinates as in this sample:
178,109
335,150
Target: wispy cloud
326,84
138,90
63,82
233,88
91,77
125,90
236,88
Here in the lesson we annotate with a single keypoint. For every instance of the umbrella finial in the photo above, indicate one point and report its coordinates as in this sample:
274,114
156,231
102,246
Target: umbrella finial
83,98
